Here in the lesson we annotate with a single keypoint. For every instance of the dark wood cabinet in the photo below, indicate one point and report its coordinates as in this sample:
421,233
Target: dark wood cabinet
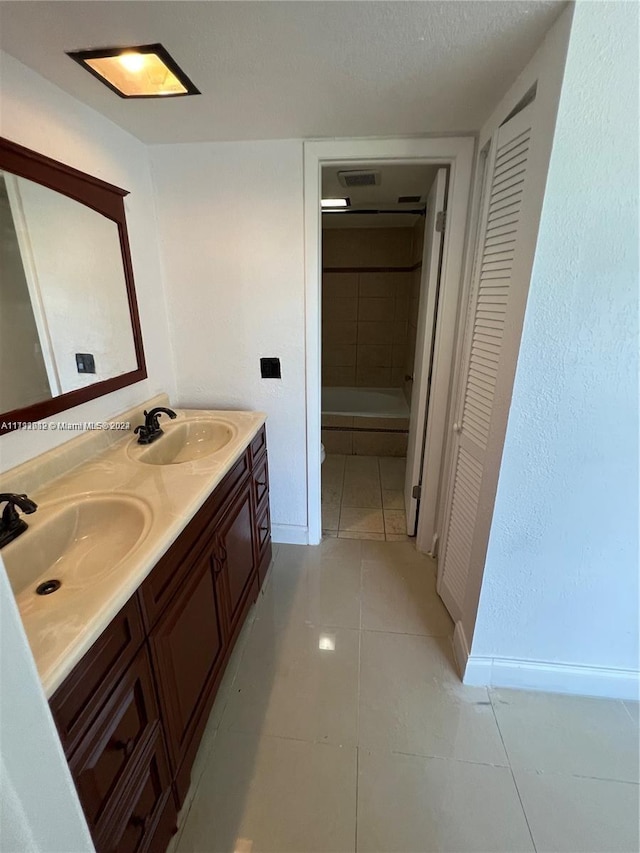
132,713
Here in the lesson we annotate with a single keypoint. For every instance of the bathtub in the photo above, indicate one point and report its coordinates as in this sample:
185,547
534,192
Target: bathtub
365,421
365,402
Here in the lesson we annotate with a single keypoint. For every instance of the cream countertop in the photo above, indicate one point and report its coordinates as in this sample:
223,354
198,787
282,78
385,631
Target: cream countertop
62,627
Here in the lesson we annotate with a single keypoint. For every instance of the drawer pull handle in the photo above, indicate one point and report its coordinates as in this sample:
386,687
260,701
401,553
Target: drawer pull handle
142,822
217,566
126,746
223,554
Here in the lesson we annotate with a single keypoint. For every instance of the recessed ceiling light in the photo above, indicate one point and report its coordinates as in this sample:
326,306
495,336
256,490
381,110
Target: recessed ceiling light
145,71
335,202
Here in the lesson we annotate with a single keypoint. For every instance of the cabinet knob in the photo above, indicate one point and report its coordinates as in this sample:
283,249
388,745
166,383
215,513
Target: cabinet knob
126,745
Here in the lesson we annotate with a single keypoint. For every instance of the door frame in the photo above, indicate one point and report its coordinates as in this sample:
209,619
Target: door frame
457,152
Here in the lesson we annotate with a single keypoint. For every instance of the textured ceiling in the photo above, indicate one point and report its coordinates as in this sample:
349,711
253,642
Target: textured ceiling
273,70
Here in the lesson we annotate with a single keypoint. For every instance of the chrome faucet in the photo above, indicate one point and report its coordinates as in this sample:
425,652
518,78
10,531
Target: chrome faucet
11,525
150,430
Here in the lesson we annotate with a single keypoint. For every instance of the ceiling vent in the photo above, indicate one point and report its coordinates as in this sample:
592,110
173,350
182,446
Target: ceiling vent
408,199
359,178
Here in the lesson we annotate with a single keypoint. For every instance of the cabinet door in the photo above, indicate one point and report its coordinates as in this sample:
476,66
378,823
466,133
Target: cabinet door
236,553
187,648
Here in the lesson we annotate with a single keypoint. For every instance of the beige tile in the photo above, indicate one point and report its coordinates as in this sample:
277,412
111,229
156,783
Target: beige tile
397,556
377,284
392,472
373,377
393,499
373,356
338,333
395,521
568,734
412,701
396,537
339,308
352,534
397,377
395,424
315,586
375,310
329,534
339,285
330,516
337,442
361,520
264,794
401,312
367,468
569,813
375,333
401,597
290,685
410,804
337,355
343,421
399,332
332,477
360,490
399,355
380,444
339,377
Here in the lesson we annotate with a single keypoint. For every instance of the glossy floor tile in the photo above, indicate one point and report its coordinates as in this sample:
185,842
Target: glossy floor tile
570,813
574,735
341,725
408,804
363,498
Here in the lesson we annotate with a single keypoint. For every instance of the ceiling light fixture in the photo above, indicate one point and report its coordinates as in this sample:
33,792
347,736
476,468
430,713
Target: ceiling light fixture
335,202
145,71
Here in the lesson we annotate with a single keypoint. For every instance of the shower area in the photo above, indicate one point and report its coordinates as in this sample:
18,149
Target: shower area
371,272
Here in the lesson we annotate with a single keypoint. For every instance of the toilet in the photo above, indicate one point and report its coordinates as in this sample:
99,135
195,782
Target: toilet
322,453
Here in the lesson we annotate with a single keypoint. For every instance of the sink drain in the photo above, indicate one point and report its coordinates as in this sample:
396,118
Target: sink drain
47,587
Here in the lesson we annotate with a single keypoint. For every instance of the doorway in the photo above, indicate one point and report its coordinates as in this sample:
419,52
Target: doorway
382,237
454,154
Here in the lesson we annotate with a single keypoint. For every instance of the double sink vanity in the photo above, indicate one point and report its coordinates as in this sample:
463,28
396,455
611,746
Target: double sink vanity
147,558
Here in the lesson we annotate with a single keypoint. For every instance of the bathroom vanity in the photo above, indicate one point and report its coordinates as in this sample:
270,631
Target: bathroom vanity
132,657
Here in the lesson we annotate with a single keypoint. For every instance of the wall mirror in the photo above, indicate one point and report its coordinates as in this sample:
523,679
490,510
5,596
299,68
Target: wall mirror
69,325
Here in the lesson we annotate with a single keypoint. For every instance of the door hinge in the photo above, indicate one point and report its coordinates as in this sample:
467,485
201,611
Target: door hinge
441,221
416,491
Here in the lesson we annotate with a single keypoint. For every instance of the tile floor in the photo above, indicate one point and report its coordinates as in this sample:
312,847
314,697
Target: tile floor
341,725
363,497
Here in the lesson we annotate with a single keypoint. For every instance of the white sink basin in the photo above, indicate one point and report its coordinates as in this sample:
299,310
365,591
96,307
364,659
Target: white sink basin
75,542
185,441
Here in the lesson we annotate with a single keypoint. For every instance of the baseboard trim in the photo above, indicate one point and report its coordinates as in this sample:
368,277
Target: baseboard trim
552,677
289,534
460,648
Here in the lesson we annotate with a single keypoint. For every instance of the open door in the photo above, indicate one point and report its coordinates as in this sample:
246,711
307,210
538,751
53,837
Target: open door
427,309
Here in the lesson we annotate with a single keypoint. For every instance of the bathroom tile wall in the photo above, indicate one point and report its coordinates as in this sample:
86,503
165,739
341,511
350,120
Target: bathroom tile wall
412,317
365,314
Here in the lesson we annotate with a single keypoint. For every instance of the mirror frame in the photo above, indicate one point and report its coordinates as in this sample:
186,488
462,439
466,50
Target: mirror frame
109,201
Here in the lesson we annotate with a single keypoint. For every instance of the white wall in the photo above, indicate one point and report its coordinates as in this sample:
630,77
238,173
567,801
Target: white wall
561,577
231,230
39,115
39,808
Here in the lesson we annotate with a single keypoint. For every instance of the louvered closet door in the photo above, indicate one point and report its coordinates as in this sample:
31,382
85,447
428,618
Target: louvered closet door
483,349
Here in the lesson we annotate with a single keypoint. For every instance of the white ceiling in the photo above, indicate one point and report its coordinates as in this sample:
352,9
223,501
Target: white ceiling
395,180
272,70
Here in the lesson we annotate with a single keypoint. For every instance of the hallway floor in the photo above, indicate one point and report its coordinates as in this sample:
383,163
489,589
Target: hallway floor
363,497
341,725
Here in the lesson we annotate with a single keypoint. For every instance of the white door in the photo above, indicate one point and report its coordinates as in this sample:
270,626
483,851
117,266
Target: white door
431,256
485,386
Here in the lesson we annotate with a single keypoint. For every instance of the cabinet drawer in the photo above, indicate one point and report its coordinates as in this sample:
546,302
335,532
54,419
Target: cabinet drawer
261,482
76,702
146,803
263,530
259,444
162,585
107,753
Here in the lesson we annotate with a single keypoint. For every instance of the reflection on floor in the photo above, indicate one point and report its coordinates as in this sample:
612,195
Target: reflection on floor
341,725
363,497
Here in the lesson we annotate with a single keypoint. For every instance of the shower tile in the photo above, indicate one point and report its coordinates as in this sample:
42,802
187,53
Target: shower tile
369,355
377,284
340,308
339,355
338,285
337,442
375,333
373,377
344,421
380,444
375,310
338,376
338,333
